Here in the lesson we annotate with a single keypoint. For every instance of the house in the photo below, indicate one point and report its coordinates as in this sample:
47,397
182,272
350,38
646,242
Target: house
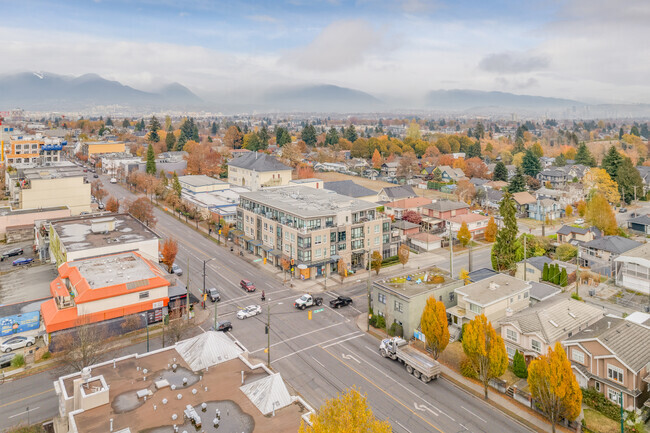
425,241
640,224
542,292
533,330
535,267
450,174
389,169
476,224
392,193
577,235
599,254
405,229
492,198
613,356
435,214
399,207
633,269
496,297
644,171
556,178
546,161
496,184
477,181
257,170
544,209
522,200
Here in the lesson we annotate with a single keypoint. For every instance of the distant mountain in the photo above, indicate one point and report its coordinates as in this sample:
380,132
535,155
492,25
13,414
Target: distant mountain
461,99
321,98
45,91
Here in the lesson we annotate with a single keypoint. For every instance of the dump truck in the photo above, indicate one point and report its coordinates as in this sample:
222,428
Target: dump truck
417,363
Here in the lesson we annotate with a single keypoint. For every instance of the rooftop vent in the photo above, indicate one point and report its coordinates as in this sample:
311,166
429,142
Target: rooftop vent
102,225
493,286
553,323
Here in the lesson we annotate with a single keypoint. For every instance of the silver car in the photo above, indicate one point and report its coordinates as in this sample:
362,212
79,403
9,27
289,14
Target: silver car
16,343
250,311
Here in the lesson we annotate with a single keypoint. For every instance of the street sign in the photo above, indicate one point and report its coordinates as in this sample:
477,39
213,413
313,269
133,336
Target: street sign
319,310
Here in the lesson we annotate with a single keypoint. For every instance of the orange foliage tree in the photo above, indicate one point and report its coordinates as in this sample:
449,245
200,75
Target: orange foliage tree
376,159
142,209
112,205
304,171
202,159
169,250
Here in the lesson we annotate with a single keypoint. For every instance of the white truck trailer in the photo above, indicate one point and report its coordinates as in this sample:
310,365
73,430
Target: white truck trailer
417,363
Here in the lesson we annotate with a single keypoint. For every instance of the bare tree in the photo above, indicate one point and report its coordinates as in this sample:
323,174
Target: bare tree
178,327
83,345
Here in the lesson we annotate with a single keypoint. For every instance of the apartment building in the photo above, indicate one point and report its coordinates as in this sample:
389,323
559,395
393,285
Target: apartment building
314,228
95,149
33,149
256,170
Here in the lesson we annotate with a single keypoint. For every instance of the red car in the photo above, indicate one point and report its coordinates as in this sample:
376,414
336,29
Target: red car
247,285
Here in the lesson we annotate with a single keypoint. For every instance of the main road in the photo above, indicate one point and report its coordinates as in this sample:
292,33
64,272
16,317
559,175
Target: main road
319,358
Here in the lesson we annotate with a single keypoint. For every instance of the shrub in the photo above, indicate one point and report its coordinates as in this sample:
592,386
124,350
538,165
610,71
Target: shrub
519,366
18,361
599,402
373,320
396,330
381,322
575,296
46,355
467,369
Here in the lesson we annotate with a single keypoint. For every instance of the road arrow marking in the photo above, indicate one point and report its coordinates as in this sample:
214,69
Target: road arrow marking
344,356
423,408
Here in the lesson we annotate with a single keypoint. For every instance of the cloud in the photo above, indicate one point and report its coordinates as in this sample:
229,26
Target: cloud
340,45
513,63
262,18
418,6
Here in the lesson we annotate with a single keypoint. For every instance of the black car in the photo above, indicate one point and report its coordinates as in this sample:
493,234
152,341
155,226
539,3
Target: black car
341,301
5,360
11,253
223,326
622,210
95,176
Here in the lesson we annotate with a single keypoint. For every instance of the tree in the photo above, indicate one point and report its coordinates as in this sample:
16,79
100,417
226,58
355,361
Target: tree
517,183
126,123
500,172
141,209
597,180
491,230
629,180
403,254
566,252
100,194
170,141
519,366
169,250
375,262
112,205
282,136
304,171
485,350
203,159
349,413
584,157
82,346
505,247
433,324
475,167
176,185
351,134
376,159
154,127
252,142
233,137
554,386
601,215
342,269
568,211
537,149
151,161
332,137
611,162
545,271
412,217
560,160
635,131
564,278
264,137
465,190
464,236
581,207
214,129
530,164
464,275
407,165
308,135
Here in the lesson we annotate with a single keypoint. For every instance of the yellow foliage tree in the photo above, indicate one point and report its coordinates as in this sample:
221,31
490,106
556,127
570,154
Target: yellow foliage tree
582,208
568,211
485,350
403,253
599,213
598,179
464,236
554,386
491,230
376,159
348,413
464,275
434,326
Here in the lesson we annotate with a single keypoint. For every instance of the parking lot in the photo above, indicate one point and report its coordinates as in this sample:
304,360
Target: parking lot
28,252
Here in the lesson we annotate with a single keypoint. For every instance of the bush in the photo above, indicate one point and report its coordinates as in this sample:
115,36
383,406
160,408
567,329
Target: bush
467,369
519,366
575,296
46,355
396,330
18,361
599,402
377,321
373,320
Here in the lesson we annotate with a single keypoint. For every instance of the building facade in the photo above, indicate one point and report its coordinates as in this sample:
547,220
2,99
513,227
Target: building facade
256,170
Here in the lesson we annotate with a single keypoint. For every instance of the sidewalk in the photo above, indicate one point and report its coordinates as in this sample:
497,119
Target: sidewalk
504,404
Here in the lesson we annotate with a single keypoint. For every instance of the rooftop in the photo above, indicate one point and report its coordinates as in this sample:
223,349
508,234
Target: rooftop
542,291
7,210
446,205
493,289
349,188
397,192
407,203
468,218
257,161
404,225
51,172
412,285
82,233
113,270
307,202
200,180
612,244
523,198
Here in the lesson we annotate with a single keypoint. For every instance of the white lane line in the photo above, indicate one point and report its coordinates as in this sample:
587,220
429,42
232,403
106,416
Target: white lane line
22,413
400,424
474,414
297,336
318,362
350,357
312,346
334,311
423,408
343,341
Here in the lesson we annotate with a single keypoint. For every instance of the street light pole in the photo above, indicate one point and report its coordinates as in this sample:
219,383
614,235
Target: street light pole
368,289
205,298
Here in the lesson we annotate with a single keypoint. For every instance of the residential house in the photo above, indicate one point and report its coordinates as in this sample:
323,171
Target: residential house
496,297
577,235
425,241
556,178
534,267
546,161
476,224
481,274
496,184
640,224
256,170
534,330
633,269
351,189
399,207
613,356
575,171
522,201
435,214
405,229
478,182
427,172
599,254
545,209
389,169
644,171
392,193
542,292
492,198
450,174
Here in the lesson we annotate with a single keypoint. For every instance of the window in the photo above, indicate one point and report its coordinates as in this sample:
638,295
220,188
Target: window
332,250
536,345
381,298
525,295
597,385
377,228
341,247
474,308
613,395
144,295
512,335
511,352
512,300
317,253
398,306
333,237
578,356
615,373
342,236
318,240
377,239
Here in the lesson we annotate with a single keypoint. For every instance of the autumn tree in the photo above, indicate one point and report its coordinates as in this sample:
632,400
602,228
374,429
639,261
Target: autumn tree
412,217
304,171
100,194
491,230
463,275
233,137
82,346
285,264
505,247
475,167
403,254
500,172
464,236
141,209
465,190
554,386
112,205
349,413
568,211
342,269
485,350
169,250
433,324
581,207
597,180
376,159
600,214
407,165
629,180
375,262
151,160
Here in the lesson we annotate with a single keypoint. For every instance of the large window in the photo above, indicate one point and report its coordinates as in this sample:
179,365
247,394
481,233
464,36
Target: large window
536,345
615,373
381,297
357,232
511,352
578,356
398,306
512,335
357,244
342,236
613,395
474,308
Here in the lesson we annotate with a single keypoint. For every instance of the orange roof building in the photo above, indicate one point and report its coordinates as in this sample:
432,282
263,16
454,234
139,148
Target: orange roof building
398,207
102,288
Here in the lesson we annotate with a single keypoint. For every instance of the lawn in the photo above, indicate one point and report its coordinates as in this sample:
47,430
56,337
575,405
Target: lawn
599,423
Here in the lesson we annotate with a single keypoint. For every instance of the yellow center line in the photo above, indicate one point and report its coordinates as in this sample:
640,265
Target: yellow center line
382,390
28,397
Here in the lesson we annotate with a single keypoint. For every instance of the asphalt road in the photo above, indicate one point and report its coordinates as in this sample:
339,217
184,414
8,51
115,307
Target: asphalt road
318,358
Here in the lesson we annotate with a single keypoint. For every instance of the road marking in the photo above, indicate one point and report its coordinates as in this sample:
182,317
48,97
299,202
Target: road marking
319,363
339,342
312,346
297,336
28,397
400,424
474,414
384,391
423,408
21,413
344,356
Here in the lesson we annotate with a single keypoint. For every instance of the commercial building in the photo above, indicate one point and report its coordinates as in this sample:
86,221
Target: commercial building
313,227
257,170
195,184
94,149
32,149
18,224
103,288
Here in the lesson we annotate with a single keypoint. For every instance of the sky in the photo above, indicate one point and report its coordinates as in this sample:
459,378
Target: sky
589,50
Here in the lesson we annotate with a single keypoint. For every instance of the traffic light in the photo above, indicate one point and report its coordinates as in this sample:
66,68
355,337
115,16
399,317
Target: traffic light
309,315
264,260
292,263
266,329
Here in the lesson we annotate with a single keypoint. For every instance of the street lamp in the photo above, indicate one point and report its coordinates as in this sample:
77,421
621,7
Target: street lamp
205,293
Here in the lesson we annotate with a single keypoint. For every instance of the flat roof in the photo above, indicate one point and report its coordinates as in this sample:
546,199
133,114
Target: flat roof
402,286
112,270
307,202
7,210
49,172
199,180
493,289
76,233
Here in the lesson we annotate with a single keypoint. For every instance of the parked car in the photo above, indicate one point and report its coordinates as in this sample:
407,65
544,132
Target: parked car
341,301
95,176
113,180
223,326
5,360
85,170
176,270
160,257
250,311
16,343
101,206
22,261
11,253
622,210
214,294
247,285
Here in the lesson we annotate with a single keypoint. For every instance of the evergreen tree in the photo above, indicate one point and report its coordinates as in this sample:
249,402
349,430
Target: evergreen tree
151,160
531,164
564,278
505,246
556,274
126,123
176,185
264,137
309,135
621,133
545,272
154,127
109,122
517,183
214,128
645,132
480,131
139,126
282,136
519,146
500,172
332,137
170,141
351,134
180,143
560,160
473,150
584,157
635,131
628,178
611,162
519,366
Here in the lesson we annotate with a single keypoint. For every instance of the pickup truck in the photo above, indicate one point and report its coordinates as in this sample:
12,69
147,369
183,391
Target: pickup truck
341,301
418,364
307,301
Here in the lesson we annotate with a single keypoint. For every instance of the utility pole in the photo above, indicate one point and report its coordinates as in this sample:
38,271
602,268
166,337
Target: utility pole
451,253
368,290
268,332
469,255
525,258
578,273
187,301
622,412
